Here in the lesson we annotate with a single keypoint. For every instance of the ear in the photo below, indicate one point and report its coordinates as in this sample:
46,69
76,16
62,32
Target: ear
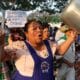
26,34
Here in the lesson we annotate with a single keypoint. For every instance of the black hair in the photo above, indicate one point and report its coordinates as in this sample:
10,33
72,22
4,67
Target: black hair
62,24
15,31
29,22
45,25
56,28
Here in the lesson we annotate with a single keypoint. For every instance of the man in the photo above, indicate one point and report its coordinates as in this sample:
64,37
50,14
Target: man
67,71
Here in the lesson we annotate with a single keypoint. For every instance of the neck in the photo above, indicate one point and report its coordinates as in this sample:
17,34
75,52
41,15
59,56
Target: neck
37,46
45,38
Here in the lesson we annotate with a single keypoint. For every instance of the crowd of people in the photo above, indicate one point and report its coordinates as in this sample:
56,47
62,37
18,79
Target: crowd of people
32,52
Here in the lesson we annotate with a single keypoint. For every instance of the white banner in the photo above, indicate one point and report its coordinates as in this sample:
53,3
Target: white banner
15,18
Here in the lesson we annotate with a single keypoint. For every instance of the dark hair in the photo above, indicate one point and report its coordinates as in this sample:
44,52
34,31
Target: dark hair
62,24
15,30
19,32
68,30
56,28
29,22
45,25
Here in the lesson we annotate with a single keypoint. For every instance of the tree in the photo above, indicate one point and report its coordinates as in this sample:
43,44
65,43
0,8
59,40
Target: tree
48,6
20,4
44,5
28,4
60,4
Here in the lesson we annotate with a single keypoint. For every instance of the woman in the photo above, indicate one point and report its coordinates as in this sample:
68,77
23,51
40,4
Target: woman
16,34
15,40
35,61
46,33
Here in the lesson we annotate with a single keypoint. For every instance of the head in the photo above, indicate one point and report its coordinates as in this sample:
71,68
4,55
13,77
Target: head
67,32
64,28
46,32
15,34
33,31
62,24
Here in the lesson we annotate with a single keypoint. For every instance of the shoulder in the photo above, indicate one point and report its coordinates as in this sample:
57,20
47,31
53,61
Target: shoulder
18,45
21,47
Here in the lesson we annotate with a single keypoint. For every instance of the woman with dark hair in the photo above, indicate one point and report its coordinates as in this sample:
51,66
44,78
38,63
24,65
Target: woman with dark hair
46,33
35,60
16,34
15,40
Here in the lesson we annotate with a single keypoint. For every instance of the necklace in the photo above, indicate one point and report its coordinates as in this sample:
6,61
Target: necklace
43,53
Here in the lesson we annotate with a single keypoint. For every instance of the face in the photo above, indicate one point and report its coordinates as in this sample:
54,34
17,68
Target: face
16,36
46,33
73,32
68,32
34,34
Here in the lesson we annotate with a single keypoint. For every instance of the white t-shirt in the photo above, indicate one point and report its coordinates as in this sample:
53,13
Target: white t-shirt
24,62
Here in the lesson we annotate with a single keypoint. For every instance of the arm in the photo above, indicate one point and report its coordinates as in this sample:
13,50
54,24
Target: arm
7,54
3,55
65,45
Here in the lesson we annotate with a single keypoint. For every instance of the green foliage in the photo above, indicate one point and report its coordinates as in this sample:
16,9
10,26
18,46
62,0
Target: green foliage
55,19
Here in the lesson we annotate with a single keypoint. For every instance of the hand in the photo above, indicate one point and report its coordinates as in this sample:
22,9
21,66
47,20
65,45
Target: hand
10,54
72,34
77,65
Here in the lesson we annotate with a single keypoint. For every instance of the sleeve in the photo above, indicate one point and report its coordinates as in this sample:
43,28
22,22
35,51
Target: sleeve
60,41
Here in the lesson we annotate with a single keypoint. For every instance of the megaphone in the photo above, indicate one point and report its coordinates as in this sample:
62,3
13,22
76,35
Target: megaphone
71,15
